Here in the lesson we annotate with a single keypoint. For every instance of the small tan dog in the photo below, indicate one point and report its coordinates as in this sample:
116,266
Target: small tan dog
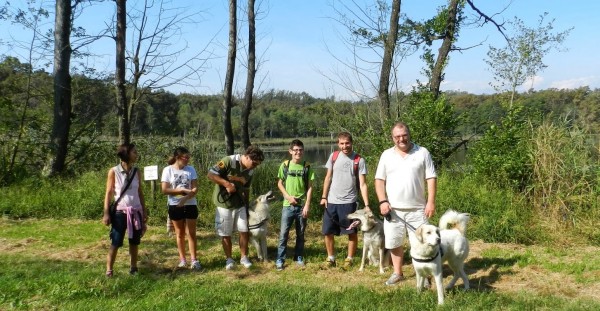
430,247
373,239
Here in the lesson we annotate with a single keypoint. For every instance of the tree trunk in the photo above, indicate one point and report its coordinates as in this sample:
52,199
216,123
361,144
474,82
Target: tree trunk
251,74
228,96
123,107
59,140
437,74
386,64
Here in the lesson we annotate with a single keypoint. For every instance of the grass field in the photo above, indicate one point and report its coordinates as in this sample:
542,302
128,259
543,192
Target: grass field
59,265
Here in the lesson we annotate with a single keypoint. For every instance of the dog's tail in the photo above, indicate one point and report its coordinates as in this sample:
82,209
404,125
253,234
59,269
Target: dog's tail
455,220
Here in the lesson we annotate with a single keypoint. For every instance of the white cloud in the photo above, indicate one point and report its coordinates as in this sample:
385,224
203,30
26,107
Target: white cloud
591,81
535,82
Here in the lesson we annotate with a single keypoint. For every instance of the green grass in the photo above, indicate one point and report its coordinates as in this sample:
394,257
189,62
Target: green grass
497,215
59,265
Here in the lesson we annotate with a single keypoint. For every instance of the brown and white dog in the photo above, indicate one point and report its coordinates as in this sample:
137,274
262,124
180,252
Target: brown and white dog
430,247
258,221
373,239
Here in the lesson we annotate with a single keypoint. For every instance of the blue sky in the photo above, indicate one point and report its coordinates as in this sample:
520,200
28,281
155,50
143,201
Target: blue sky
298,38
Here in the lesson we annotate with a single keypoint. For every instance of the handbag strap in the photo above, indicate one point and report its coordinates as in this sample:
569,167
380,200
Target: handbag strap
126,186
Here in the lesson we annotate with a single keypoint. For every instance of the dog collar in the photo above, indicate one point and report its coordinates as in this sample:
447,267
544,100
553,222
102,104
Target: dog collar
440,251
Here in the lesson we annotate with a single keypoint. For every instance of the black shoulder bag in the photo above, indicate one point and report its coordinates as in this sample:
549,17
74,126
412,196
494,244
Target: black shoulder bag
113,206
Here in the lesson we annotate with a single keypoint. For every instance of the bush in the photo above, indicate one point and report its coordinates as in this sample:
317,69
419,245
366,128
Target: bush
501,156
497,214
432,123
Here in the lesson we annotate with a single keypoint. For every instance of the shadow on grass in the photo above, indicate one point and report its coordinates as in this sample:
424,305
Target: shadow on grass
489,271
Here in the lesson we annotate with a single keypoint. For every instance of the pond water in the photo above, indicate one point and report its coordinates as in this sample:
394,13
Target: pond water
316,154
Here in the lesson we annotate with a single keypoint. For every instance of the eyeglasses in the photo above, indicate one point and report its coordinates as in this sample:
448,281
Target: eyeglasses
298,150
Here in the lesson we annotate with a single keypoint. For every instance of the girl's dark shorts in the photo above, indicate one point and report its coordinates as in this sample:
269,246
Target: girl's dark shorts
184,212
340,221
119,228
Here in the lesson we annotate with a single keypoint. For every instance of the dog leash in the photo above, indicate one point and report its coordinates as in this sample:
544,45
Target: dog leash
388,217
226,196
409,226
246,204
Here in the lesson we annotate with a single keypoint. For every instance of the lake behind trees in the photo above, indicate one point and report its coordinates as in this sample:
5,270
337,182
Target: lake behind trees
316,154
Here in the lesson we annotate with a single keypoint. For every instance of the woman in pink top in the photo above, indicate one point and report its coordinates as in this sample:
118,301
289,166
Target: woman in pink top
130,214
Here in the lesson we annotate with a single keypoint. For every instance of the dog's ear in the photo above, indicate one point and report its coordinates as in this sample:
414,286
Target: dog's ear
419,234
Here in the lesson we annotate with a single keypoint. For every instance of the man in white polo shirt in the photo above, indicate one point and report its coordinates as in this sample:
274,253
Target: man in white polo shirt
402,174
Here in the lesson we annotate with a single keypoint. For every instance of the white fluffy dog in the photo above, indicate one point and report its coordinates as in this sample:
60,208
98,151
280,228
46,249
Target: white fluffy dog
373,239
430,247
258,218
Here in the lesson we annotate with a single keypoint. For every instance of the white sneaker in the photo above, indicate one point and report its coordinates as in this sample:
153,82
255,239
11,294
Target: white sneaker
229,264
394,279
182,264
245,262
196,265
279,264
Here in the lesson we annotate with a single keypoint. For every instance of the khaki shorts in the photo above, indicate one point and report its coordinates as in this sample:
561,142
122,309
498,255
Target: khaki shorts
395,231
228,219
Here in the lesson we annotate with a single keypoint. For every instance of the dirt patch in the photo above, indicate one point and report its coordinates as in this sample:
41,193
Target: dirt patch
510,275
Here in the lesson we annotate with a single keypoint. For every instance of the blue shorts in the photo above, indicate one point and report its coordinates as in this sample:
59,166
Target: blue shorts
184,212
118,229
335,219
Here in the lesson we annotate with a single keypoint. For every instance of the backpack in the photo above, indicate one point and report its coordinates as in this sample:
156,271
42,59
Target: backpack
306,166
356,161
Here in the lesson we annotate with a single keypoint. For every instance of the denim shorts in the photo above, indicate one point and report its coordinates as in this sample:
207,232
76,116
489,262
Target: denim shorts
119,228
335,219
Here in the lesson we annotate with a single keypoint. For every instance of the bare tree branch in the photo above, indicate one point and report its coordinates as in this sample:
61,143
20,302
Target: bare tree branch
486,19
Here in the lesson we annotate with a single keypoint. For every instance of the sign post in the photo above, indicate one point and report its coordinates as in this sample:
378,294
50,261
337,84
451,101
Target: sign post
151,174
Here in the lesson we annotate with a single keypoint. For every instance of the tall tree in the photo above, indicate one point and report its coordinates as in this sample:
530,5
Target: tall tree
448,38
122,104
228,90
31,18
523,56
386,64
59,139
156,58
250,74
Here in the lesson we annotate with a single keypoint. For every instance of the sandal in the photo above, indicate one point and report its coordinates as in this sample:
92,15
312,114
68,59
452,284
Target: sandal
109,273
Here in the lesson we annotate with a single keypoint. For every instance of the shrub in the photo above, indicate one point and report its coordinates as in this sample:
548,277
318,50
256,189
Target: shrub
432,123
502,154
497,214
